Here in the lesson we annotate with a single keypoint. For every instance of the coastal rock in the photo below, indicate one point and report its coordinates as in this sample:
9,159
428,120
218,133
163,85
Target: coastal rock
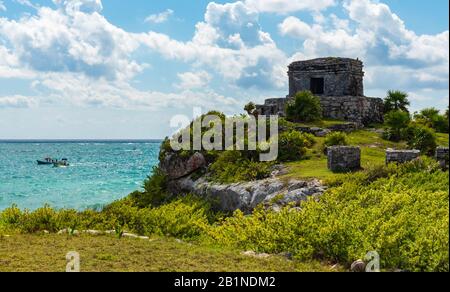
177,167
246,196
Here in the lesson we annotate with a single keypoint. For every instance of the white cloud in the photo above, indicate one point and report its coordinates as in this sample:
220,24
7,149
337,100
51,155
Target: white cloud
160,17
17,101
286,6
395,57
2,6
231,42
84,6
194,80
74,41
74,55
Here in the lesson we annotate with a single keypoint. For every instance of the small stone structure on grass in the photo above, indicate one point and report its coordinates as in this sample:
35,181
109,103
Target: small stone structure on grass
442,156
344,158
401,156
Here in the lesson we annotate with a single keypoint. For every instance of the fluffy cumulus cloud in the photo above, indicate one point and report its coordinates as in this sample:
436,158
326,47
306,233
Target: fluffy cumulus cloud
17,101
286,6
193,80
375,34
160,17
72,54
85,6
74,38
230,42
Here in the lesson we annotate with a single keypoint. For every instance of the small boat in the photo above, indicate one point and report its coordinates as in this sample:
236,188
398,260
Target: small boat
63,163
46,161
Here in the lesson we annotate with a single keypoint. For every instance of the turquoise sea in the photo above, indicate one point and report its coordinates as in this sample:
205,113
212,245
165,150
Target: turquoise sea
100,172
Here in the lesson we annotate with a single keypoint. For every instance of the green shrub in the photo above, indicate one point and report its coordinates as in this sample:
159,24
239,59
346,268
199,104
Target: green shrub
421,138
305,108
396,122
235,166
185,218
402,214
336,139
11,216
293,145
431,117
155,190
39,220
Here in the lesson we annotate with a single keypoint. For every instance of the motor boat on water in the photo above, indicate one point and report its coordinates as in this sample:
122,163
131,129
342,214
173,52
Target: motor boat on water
63,163
55,162
46,161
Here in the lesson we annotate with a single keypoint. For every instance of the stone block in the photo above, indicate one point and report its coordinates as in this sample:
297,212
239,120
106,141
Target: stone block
344,158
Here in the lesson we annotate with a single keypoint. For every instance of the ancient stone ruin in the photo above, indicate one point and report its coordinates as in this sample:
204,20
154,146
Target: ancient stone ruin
442,157
344,158
401,156
338,82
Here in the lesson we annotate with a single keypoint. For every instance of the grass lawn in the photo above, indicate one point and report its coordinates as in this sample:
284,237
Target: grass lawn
46,253
373,152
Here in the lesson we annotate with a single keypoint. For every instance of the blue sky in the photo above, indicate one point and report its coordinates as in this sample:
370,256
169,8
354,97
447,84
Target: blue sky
122,69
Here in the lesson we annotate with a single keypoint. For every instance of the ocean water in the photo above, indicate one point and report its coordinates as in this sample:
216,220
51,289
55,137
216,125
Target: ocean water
99,172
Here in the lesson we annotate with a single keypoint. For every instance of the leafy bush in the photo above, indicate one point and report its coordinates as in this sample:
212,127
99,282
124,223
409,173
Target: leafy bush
396,122
155,190
336,139
235,166
184,218
421,138
305,108
403,215
431,117
293,145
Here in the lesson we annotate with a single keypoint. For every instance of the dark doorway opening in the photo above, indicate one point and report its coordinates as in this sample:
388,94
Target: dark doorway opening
317,85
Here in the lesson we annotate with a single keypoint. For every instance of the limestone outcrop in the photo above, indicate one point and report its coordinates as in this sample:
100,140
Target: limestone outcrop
246,196
176,167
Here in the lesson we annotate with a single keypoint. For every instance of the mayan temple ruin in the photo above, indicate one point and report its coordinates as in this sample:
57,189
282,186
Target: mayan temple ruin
338,82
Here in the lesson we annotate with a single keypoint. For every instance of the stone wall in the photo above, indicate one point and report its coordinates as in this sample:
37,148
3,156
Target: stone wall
273,106
358,109
442,157
344,158
362,110
341,76
401,156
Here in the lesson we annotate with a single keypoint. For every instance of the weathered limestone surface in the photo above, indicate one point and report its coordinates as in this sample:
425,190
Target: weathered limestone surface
401,156
362,110
442,156
176,167
246,196
341,76
273,106
344,158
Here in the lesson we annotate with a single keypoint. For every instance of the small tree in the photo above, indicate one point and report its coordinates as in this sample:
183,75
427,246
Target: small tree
432,118
396,122
421,138
250,108
305,108
396,100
